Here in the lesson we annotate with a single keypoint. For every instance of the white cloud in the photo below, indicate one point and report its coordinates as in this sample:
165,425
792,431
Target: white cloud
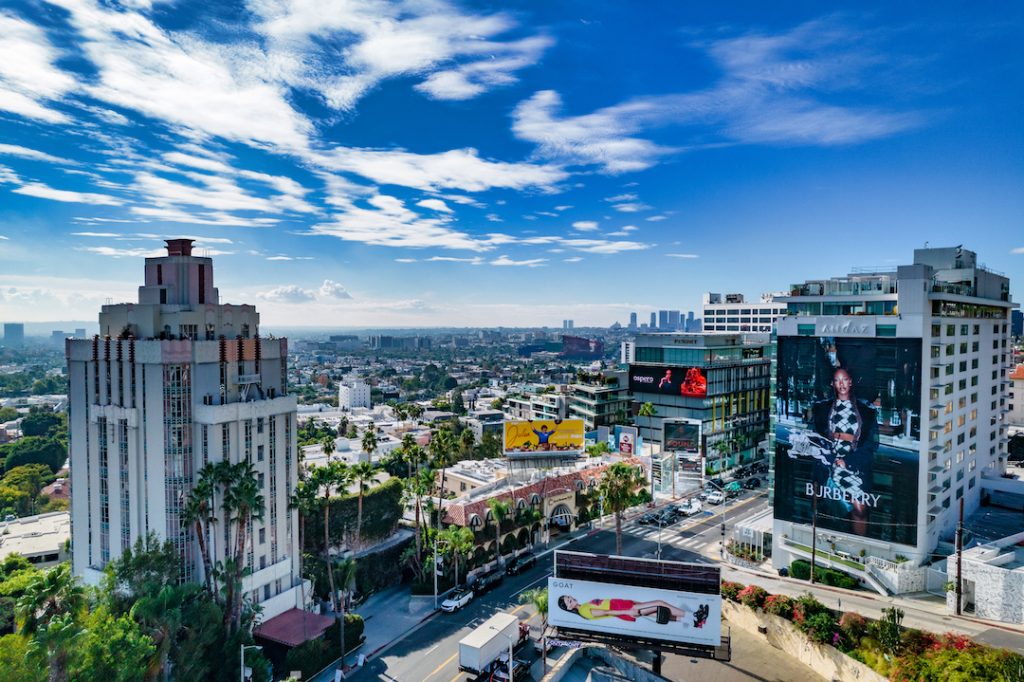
573,259
604,246
461,169
32,154
38,189
494,217
563,207
4,238
476,260
629,196
29,77
631,207
280,258
327,292
656,218
434,205
584,225
1019,249
682,255
531,263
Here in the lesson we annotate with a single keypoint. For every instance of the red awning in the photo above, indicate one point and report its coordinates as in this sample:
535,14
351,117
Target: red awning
293,627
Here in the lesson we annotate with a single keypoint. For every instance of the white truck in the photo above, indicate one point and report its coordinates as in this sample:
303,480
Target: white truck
481,649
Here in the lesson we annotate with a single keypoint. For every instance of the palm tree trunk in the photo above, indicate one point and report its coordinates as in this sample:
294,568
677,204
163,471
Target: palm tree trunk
359,518
327,554
618,533
419,539
204,551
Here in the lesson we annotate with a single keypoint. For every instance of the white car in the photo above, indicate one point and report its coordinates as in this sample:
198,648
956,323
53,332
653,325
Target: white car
694,507
716,497
456,600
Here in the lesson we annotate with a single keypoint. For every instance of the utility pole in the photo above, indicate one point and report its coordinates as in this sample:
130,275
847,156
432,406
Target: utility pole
960,560
814,530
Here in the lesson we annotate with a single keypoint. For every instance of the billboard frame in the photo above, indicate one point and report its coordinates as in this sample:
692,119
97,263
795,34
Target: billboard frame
577,436
666,575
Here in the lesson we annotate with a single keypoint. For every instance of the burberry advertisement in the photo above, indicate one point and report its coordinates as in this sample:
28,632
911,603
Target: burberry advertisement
847,433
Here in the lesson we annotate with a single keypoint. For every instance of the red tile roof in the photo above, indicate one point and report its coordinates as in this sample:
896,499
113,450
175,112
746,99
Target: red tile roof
1018,373
294,627
459,513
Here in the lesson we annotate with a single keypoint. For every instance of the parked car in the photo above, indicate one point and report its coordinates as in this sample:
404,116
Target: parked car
733,489
521,563
740,471
457,599
716,497
759,468
752,482
501,671
716,483
488,581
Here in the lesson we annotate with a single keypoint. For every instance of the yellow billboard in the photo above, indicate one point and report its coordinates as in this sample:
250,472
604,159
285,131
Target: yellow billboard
542,436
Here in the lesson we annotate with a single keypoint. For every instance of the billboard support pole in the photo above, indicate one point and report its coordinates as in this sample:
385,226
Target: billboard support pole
814,531
960,560
656,662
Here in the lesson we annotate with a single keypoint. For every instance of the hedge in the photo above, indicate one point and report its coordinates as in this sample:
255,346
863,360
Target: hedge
801,569
382,510
378,570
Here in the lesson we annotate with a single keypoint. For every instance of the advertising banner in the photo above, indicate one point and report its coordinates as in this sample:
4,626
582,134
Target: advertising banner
627,439
681,436
690,382
847,433
544,436
641,612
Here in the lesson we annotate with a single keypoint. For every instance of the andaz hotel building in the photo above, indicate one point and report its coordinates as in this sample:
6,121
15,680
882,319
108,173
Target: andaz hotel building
890,405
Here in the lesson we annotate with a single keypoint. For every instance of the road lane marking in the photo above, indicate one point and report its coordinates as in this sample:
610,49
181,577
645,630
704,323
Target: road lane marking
543,577
442,666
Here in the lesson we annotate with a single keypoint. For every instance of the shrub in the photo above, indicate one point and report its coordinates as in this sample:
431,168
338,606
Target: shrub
315,654
918,641
730,590
752,596
801,570
806,606
779,605
853,625
821,628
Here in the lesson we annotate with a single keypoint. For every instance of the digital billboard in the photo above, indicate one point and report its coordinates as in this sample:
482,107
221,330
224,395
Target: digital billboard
690,382
544,436
636,598
681,436
847,433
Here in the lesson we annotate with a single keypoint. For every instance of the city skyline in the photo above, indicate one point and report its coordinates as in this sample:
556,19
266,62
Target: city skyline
565,161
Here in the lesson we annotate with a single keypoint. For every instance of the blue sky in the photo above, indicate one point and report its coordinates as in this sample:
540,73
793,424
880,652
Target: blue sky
431,163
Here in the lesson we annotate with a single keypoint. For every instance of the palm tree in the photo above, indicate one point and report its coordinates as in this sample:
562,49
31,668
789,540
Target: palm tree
246,500
648,410
364,475
458,541
466,442
370,441
304,500
346,571
333,475
48,613
328,446
618,488
499,510
161,617
199,512
538,596
410,452
422,483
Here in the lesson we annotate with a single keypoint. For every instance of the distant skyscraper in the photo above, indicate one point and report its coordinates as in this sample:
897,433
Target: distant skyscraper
632,320
14,334
567,324
663,320
674,320
654,321
80,333
1017,323
173,382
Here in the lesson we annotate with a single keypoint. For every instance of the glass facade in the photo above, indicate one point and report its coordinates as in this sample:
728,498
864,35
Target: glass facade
177,395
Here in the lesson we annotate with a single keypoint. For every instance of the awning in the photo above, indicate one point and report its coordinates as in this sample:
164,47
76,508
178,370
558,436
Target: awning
294,627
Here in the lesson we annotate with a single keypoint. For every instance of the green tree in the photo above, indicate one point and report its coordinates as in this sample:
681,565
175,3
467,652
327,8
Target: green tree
39,421
364,475
111,649
200,513
48,614
15,662
14,501
54,642
890,630
466,442
161,616
143,569
457,542
346,574
538,597
333,475
246,501
8,414
619,485
328,446
35,450
370,441
304,500
499,510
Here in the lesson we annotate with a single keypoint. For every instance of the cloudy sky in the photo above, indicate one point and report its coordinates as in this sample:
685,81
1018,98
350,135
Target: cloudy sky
354,163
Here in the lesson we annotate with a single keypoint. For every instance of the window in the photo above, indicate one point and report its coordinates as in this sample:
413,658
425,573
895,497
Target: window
263,539
950,329
963,329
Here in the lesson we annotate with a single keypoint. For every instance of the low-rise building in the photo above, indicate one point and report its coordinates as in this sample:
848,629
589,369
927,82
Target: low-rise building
42,539
599,399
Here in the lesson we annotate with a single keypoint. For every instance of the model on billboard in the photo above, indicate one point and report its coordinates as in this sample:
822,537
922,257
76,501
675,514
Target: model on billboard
626,609
695,385
851,427
666,385
626,443
544,435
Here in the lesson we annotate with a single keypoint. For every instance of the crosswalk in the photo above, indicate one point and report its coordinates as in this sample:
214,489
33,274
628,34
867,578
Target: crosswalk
670,535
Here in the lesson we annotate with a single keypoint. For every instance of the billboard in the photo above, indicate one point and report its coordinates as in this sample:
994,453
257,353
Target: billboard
847,435
627,439
637,599
690,382
544,436
681,436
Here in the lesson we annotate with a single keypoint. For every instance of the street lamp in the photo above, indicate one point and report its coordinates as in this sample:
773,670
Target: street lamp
511,669
242,657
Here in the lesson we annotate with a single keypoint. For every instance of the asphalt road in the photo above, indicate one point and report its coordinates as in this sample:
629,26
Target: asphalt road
430,652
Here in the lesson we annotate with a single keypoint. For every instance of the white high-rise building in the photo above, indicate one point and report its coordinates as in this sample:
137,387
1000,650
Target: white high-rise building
732,313
172,383
890,409
354,393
